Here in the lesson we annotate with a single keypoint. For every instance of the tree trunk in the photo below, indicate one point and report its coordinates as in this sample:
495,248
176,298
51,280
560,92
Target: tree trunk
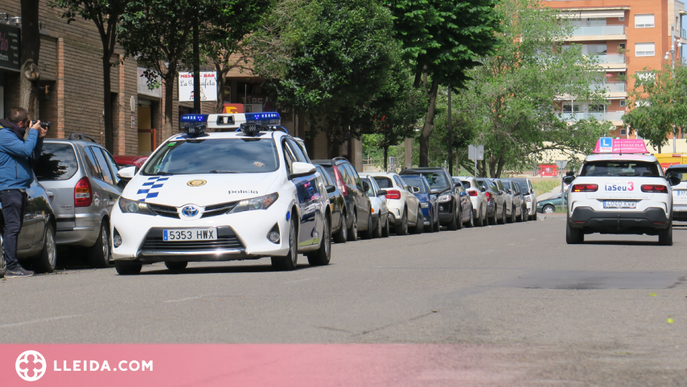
170,76
30,48
429,125
386,157
221,83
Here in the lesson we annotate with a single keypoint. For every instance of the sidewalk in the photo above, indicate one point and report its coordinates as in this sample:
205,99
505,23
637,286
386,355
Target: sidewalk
549,194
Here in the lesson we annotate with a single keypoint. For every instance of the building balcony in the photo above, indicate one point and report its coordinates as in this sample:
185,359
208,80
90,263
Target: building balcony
616,116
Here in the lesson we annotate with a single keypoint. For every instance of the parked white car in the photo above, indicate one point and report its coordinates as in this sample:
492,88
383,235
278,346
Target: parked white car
477,197
380,211
405,209
679,191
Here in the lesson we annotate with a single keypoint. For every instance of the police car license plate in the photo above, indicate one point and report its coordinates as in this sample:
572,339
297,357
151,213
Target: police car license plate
619,204
189,234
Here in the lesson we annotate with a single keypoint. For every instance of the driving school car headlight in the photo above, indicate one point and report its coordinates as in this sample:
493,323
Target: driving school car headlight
444,198
259,203
134,207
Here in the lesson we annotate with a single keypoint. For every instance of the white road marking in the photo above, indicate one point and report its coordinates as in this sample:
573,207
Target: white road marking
37,321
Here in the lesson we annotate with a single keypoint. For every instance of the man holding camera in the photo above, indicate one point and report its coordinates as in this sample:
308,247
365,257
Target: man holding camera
17,148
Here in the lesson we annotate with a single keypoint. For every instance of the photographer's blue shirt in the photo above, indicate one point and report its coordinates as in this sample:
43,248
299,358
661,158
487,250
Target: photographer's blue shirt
15,156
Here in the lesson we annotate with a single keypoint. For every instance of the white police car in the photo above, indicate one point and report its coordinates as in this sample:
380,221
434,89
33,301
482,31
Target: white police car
223,195
620,193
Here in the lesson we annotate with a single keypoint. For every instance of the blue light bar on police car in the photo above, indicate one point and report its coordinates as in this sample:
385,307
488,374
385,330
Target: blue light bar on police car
188,120
270,118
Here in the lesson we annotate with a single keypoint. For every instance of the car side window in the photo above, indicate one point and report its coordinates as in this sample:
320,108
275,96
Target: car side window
112,163
289,158
349,177
355,176
94,168
400,182
297,151
102,163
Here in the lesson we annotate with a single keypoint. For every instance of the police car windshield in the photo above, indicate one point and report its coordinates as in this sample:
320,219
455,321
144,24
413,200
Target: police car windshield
226,155
415,181
620,168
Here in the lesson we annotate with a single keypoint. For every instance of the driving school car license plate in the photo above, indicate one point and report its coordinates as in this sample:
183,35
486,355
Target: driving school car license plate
189,234
619,204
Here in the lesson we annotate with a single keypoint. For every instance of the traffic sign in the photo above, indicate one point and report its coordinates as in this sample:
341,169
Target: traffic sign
476,152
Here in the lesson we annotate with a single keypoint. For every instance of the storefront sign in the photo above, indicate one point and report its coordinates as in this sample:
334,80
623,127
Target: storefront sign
208,86
10,49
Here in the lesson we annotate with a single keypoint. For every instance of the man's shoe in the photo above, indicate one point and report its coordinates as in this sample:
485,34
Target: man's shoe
18,272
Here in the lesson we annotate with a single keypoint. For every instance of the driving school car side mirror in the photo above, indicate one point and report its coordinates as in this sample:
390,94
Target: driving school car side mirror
674,180
300,169
568,179
126,173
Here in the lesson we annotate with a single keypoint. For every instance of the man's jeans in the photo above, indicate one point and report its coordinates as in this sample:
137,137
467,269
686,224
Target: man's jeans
13,207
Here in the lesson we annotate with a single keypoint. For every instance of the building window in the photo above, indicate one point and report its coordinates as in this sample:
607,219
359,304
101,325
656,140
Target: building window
645,75
645,49
567,108
596,108
644,21
623,103
621,46
623,132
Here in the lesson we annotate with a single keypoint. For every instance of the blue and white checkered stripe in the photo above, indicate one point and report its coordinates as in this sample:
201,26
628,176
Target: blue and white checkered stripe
150,189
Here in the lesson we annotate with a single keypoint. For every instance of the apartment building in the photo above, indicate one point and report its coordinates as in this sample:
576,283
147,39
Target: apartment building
626,36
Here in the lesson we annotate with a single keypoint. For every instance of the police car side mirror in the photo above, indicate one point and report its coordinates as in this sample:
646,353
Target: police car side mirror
299,169
330,188
674,180
126,173
568,179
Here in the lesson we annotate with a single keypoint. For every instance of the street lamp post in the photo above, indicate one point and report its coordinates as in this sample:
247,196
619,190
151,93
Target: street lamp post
672,57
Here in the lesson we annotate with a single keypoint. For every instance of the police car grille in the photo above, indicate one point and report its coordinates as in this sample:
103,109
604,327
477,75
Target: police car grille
218,209
168,211
226,239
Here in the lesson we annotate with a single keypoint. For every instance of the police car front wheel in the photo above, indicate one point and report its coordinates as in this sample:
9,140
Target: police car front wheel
290,261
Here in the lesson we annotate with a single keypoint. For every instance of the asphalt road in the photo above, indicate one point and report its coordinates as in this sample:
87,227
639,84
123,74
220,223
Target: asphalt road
512,304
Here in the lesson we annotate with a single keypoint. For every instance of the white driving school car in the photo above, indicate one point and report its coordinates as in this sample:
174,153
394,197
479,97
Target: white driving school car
223,195
620,193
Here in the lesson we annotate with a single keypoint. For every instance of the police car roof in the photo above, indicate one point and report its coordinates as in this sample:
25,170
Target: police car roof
229,134
613,156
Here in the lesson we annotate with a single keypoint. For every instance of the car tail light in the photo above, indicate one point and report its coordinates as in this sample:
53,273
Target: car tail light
585,187
654,188
488,195
472,193
83,194
393,194
339,181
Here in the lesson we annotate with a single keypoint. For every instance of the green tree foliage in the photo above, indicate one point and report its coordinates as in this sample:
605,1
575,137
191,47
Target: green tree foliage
657,102
105,14
442,40
158,34
327,59
513,101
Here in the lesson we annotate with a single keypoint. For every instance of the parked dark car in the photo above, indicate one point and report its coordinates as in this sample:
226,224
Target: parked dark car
507,199
496,213
336,206
530,196
448,196
80,177
428,201
519,207
36,247
549,205
358,209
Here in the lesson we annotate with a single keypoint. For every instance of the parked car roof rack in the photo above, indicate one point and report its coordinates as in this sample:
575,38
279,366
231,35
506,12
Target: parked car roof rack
81,136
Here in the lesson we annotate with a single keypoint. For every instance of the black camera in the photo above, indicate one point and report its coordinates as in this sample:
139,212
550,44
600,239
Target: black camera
44,124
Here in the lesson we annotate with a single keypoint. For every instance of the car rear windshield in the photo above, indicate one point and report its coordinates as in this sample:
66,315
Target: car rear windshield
383,182
679,172
620,168
437,180
415,181
226,155
56,162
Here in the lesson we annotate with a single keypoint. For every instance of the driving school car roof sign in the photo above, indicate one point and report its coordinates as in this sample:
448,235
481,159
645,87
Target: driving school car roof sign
620,146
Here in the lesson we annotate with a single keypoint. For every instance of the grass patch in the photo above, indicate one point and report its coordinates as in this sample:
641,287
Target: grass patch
545,185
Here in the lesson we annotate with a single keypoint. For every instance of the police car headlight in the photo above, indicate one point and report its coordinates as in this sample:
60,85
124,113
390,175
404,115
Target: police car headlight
424,205
259,203
134,207
444,198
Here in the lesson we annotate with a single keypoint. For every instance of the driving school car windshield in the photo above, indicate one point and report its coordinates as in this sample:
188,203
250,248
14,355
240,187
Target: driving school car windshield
620,168
217,155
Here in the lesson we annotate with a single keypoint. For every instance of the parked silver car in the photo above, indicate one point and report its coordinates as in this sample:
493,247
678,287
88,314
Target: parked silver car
530,196
480,203
81,180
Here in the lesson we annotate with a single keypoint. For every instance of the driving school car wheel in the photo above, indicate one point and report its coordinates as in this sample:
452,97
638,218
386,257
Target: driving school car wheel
573,236
290,261
322,255
128,267
47,259
665,237
176,266
99,253
342,235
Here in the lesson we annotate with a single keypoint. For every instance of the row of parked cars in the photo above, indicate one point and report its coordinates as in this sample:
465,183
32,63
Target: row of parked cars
70,202
416,200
